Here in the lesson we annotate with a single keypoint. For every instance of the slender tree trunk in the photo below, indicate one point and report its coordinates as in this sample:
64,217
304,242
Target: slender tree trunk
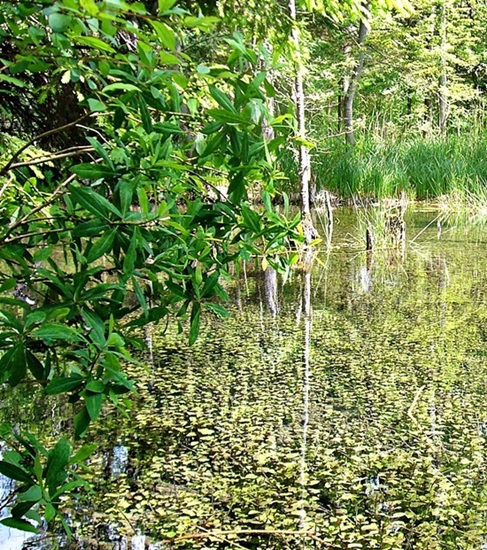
350,92
443,106
304,156
343,91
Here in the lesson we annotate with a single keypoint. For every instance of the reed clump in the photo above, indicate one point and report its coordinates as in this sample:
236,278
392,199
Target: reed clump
422,168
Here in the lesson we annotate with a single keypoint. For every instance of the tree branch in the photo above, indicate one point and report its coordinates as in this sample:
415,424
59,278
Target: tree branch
16,155
80,150
48,201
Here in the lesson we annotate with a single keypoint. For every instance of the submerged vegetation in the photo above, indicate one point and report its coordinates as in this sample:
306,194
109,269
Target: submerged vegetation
394,449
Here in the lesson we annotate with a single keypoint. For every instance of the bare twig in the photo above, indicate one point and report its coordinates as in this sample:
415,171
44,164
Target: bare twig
42,160
413,404
16,155
33,234
47,202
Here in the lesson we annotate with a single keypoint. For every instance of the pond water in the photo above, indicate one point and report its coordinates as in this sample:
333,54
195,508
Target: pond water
341,408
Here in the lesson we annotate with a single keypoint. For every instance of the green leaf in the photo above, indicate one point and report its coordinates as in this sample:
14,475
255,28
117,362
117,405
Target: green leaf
140,295
5,429
165,34
97,327
12,80
167,128
95,386
6,318
63,384
96,105
126,191
215,143
14,302
198,275
226,116
102,245
56,331
19,524
90,7
123,86
143,201
34,365
22,508
165,5
13,365
236,189
222,99
94,43
92,201
115,340
251,219
8,284
81,423
49,512
56,464
145,115
266,199
14,472
203,69
90,228
94,403
68,487
92,171
59,22
34,317
205,24
195,323
82,454
218,309
42,254
33,493
210,285
168,58
98,147
131,255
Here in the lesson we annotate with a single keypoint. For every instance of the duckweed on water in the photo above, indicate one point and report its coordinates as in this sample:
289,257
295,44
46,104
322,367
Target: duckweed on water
396,422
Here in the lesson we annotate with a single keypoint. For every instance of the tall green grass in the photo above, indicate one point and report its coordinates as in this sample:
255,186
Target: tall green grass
423,168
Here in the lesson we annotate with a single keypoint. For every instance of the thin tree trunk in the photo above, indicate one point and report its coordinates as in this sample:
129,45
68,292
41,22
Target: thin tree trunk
344,86
304,156
442,87
354,80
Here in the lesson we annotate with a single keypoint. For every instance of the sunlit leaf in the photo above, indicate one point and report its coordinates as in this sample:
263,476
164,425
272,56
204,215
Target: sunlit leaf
63,384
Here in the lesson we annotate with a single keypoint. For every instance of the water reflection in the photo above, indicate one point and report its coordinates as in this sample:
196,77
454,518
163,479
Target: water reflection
348,401
10,539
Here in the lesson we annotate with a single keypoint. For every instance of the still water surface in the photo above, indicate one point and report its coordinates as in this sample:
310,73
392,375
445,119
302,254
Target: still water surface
348,404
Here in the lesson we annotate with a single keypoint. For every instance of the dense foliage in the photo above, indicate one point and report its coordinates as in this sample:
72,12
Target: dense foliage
139,221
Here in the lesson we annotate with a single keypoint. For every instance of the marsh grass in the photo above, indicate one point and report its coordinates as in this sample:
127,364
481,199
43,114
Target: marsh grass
423,168
464,209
